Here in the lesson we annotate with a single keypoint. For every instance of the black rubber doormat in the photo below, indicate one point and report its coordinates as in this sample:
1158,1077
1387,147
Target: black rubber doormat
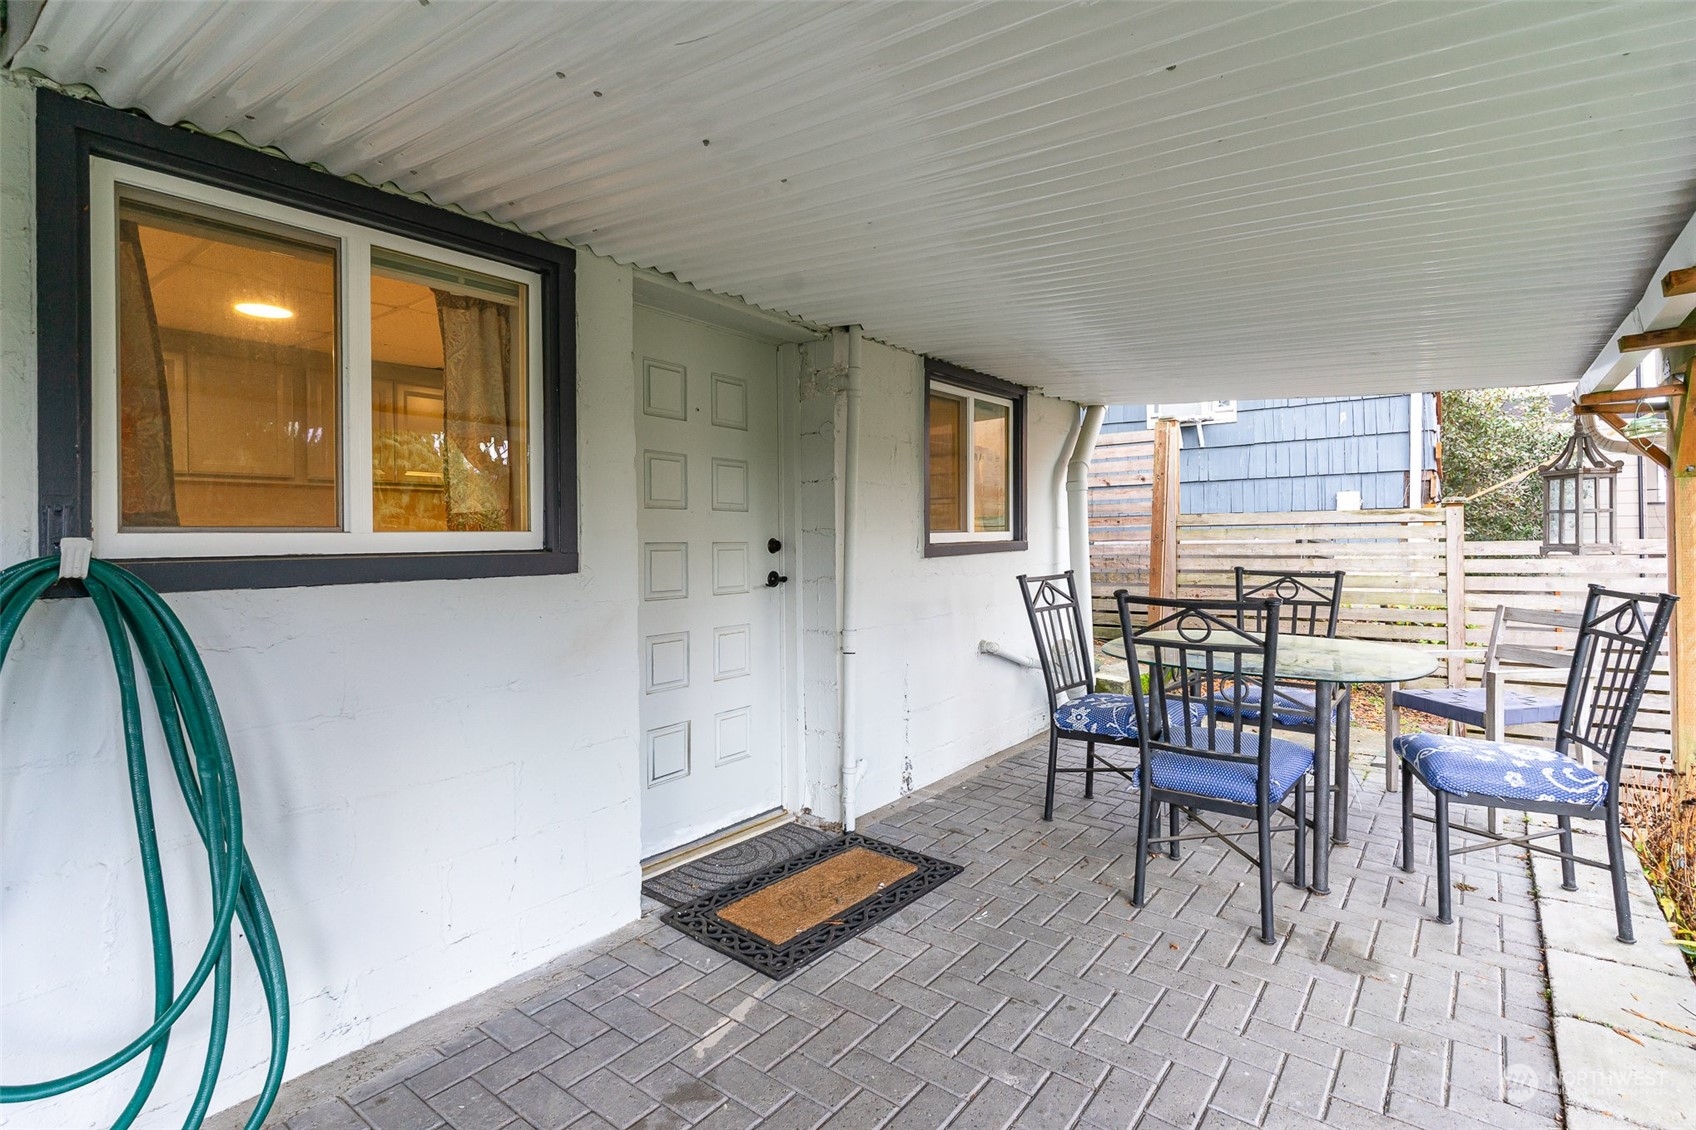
738,861
789,914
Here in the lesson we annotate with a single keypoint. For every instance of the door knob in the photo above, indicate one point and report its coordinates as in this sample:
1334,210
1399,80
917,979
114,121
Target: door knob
774,578
774,546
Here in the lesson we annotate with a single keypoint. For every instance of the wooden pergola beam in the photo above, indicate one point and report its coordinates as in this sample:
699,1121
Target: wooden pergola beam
1163,521
1643,445
1629,395
1658,339
1684,441
1681,577
1682,281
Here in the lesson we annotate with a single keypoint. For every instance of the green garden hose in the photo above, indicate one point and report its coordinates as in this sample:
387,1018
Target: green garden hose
134,615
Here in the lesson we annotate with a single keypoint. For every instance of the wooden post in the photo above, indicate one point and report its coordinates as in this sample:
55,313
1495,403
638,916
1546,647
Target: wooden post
1163,524
1454,589
1681,577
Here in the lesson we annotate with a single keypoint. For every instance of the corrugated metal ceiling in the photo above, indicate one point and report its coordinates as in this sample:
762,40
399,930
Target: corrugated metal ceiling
1112,201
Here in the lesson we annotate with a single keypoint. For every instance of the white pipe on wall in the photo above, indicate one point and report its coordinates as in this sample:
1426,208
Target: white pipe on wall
1077,496
990,647
848,642
1062,544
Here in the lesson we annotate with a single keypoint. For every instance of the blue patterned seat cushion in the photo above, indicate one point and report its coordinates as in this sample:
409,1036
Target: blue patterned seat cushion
1467,705
1231,780
1291,706
1471,767
1112,715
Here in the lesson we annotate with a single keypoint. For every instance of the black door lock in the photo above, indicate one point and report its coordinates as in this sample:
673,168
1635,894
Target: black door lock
774,546
774,578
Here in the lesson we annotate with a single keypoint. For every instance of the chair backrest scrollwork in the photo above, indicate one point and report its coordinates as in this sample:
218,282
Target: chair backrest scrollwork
1199,653
1064,645
1619,636
1308,603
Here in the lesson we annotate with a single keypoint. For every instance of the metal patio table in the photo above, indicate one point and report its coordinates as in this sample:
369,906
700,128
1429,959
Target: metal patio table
1330,664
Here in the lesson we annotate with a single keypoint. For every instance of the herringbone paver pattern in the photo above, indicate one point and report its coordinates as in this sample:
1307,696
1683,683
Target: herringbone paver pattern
1028,992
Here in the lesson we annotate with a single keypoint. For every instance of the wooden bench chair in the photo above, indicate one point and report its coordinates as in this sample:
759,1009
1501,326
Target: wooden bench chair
1493,706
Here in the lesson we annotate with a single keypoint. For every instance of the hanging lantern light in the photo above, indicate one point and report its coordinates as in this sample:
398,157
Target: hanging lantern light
1580,493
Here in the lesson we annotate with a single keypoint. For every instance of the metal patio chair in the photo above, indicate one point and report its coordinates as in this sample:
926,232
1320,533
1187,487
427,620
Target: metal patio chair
1308,606
1619,635
1065,649
1207,760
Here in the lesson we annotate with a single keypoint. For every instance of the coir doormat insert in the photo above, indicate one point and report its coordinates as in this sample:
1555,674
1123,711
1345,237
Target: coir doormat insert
787,915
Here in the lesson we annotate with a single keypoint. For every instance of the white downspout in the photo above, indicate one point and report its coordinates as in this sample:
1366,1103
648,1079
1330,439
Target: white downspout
1077,498
848,637
1062,544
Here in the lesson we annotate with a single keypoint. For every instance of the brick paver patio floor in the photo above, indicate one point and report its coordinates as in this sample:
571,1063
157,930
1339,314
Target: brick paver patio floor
1029,992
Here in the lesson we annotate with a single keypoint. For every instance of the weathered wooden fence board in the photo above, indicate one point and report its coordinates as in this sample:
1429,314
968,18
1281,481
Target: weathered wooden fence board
1402,584
1515,573
1121,502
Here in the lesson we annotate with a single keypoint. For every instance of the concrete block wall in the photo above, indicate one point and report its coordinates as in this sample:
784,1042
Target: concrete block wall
929,703
439,778
927,691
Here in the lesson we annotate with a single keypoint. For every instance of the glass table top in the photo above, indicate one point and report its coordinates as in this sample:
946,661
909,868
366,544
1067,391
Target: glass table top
1326,660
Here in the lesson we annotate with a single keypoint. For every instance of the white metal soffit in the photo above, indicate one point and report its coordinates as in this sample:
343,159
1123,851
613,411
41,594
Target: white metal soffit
1112,201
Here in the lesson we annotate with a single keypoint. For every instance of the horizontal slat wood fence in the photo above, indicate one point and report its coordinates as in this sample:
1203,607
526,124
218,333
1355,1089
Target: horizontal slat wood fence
1396,561
1514,573
1121,499
1402,585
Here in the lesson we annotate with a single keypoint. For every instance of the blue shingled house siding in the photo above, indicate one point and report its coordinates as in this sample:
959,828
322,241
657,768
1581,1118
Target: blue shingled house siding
1284,455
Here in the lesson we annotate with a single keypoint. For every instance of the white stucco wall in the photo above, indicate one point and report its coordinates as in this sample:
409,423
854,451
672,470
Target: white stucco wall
928,703
17,321
439,778
926,690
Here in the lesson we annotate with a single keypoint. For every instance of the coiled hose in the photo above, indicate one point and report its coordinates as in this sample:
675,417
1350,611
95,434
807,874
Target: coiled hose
200,754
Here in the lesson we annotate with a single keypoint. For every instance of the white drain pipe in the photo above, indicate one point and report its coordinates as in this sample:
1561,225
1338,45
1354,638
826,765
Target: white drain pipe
990,647
1061,545
848,642
1077,500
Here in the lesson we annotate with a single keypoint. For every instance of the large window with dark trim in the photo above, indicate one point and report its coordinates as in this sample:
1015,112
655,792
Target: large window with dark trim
281,378
974,462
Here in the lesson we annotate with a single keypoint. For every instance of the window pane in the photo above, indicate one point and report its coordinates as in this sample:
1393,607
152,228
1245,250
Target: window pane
992,464
227,372
449,397
947,467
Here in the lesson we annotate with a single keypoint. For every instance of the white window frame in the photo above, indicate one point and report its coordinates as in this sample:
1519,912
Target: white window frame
947,537
1196,412
354,415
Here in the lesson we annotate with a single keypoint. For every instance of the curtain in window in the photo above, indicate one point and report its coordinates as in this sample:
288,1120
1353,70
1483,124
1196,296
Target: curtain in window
147,487
476,368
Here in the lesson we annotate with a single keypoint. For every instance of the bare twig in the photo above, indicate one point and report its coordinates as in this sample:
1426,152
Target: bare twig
1662,1023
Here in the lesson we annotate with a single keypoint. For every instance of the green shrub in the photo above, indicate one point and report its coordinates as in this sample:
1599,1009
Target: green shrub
1491,434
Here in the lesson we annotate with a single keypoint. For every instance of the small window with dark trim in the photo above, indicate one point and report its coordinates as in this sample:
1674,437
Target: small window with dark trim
974,462
293,379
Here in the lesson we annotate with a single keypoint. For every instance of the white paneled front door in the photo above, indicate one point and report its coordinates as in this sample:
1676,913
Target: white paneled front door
707,472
